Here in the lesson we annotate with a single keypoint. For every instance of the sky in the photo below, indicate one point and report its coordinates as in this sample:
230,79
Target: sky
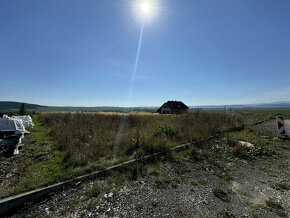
202,52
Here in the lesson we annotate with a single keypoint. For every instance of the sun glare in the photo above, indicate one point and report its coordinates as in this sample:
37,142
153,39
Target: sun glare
146,9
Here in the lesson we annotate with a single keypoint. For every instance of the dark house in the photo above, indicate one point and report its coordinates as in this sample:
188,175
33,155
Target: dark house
173,107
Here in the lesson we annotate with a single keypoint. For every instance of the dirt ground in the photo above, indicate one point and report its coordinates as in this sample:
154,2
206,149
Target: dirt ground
12,168
181,188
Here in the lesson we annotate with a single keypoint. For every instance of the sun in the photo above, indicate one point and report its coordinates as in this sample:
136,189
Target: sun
148,11
146,7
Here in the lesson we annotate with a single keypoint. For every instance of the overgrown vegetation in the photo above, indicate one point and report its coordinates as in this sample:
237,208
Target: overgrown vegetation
281,186
65,145
227,214
95,191
221,194
87,137
276,206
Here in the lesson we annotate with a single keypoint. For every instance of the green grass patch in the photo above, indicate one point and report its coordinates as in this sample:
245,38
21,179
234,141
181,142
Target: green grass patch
276,206
95,191
40,133
281,186
87,137
271,112
43,173
221,194
201,181
227,214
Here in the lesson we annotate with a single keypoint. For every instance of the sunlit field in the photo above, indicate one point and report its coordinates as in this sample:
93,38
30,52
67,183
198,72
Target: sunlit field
269,112
63,145
87,137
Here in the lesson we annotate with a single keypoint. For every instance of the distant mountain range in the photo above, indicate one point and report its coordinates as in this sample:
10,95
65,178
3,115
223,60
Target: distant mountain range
14,106
282,104
10,106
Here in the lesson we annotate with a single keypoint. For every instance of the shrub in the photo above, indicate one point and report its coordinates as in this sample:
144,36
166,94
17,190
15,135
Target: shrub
221,194
281,186
174,184
227,214
202,181
95,191
276,206
167,131
196,154
251,152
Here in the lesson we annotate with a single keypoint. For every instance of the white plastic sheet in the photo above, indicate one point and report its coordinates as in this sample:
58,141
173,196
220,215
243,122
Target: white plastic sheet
20,122
26,120
16,124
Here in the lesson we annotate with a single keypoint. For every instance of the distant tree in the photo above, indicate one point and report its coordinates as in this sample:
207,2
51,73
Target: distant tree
22,110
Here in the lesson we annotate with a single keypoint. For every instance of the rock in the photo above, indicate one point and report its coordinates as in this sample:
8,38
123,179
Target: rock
110,195
247,144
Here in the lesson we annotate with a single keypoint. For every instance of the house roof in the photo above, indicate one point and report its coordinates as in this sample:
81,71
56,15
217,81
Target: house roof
174,105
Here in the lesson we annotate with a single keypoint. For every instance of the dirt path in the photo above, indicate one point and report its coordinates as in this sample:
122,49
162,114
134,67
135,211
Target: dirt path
183,188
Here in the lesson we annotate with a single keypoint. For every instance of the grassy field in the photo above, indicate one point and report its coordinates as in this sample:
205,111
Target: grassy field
247,181
64,145
270,112
88,137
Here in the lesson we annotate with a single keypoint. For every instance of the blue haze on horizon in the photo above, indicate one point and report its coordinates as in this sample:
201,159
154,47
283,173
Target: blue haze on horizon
82,53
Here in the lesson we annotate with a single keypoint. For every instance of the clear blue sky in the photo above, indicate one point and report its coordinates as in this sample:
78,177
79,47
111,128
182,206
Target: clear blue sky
82,52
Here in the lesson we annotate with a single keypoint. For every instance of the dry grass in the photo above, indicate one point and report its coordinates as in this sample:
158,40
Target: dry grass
87,137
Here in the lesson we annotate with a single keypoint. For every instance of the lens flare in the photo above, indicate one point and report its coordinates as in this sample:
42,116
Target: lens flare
123,120
146,10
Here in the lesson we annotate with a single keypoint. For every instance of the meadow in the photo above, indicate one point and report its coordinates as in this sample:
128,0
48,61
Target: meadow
63,145
87,137
269,112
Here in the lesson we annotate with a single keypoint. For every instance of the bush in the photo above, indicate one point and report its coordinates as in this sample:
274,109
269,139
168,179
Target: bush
95,191
244,152
276,206
196,154
167,131
136,171
221,194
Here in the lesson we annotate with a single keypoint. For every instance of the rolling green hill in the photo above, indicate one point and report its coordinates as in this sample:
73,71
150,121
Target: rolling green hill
10,106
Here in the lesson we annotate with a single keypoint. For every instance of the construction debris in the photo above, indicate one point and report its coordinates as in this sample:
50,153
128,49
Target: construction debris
12,131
